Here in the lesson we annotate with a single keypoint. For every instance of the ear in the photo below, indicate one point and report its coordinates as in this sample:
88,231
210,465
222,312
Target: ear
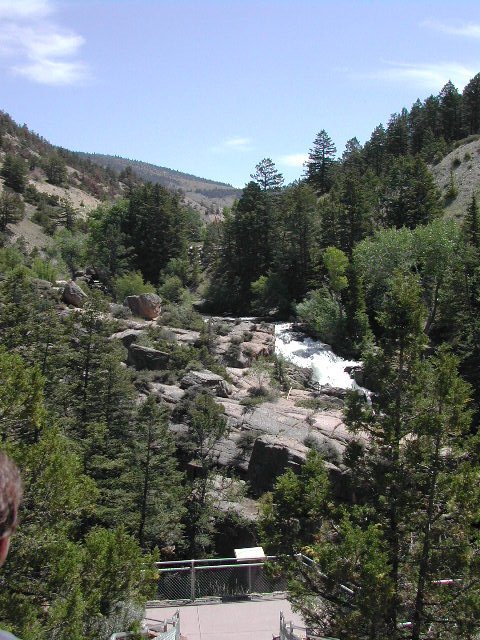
4,544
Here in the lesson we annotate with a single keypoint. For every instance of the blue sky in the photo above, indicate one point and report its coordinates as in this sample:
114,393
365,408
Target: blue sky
211,87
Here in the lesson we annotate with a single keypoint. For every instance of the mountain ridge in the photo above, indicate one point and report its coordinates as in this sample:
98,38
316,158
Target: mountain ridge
202,193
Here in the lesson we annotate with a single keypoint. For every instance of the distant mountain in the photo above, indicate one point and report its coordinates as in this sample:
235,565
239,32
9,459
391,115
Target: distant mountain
205,195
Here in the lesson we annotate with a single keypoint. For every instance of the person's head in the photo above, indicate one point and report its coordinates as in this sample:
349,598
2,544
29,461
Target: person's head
10,496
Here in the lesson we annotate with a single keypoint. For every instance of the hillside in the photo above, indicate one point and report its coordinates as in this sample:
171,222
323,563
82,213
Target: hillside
204,195
464,164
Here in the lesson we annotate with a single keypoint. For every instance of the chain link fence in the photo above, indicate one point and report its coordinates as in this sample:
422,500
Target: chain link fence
223,577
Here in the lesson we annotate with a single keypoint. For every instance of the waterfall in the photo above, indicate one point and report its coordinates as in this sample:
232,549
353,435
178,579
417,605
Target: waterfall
328,369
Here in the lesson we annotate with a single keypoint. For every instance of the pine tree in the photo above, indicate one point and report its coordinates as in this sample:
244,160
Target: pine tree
471,106
320,163
375,149
157,500
14,171
267,176
11,208
450,112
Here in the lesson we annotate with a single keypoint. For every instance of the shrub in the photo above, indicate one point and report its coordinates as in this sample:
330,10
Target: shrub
467,156
181,316
120,312
247,438
456,162
172,289
452,189
44,269
320,314
131,284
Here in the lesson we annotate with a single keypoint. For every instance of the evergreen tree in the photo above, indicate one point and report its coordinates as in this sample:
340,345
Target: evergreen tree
396,136
56,170
154,228
293,252
11,208
375,148
14,172
267,176
409,195
320,163
106,245
354,197
206,427
471,106
157,501
450,112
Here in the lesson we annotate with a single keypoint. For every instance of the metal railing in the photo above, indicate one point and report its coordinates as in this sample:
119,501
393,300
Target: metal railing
168,629
215,577
290,631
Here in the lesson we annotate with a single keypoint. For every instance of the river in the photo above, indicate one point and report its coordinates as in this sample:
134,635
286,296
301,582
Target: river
328,369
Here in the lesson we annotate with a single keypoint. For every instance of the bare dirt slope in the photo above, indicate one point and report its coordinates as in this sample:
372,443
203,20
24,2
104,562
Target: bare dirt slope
464,162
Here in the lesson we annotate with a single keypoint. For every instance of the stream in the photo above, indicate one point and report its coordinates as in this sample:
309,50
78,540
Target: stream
328,369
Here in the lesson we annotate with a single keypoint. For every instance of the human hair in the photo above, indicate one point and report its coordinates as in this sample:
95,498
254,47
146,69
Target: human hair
11,490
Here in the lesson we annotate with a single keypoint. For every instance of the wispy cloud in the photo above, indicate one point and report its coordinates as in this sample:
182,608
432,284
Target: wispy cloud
468,30
293,160
29,9
33,45
426,75
236,143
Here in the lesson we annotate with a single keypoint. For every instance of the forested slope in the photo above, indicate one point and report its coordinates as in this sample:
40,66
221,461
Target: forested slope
148,423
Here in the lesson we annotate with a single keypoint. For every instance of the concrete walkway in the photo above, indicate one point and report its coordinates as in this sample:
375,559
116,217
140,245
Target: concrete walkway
246,620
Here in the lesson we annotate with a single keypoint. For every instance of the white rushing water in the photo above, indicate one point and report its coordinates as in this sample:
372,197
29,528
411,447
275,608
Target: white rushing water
327,368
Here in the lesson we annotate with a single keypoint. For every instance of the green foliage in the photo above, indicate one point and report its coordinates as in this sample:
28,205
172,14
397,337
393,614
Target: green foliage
70,247
320,163
206,427
154,227
270,293
158,496
11,208
55,584
131,284
336,263
14,172
409,195
107,244
181,316
291,516
44,269
452,190
10,258
267,176
172,289
320,314
56,170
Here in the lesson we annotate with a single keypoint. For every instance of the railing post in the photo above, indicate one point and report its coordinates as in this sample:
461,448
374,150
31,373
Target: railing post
249,579
192,580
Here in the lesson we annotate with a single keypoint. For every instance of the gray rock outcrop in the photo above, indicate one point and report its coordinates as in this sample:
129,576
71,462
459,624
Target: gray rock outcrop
147,358
209,380
127,337
72,294
272,456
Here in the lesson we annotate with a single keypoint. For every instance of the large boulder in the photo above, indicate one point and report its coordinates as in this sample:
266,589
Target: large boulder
272,456
146,305
127,337
146,358
207,379
72,294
